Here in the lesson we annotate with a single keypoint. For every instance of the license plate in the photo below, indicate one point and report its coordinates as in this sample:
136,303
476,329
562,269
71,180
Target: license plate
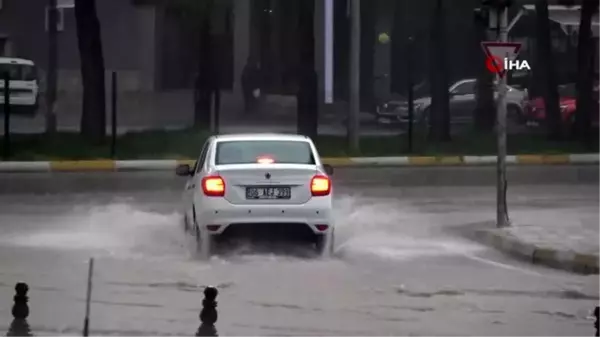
268,193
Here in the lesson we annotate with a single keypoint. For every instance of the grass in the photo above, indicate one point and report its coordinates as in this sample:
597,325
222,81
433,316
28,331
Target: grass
187,144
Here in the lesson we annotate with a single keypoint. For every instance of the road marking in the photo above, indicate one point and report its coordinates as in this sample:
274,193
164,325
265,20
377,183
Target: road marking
502,265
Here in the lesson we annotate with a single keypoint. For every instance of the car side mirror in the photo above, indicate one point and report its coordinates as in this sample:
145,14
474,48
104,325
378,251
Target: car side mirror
453,93
328,169
183,170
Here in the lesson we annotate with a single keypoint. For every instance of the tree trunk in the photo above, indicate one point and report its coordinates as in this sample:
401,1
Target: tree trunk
547,71
398,64
439,114
307,96
367,55
51,71
93,117
341,50
205,78
585,73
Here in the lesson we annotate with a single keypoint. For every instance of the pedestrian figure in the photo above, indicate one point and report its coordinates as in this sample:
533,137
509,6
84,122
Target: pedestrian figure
20,312
251,83
208,315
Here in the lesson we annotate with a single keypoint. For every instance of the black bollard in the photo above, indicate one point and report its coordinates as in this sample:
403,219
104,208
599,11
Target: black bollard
20,312
208,315
596,314
20,309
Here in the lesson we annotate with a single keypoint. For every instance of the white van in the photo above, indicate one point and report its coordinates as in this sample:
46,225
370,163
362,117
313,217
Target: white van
24,85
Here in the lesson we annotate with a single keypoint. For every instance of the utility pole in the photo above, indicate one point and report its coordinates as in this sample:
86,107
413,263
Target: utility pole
51,76
501,209
354,111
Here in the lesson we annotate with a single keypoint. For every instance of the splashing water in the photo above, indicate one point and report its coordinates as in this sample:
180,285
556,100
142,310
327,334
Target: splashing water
113,229
391,229
377,227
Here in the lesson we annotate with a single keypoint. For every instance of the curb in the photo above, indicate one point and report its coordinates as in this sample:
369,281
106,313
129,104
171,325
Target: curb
560,259
104,165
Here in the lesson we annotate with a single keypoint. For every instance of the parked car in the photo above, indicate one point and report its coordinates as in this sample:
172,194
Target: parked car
462,104
23,84
535,110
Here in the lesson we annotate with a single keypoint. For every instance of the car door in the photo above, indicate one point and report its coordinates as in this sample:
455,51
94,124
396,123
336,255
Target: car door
193,182
462,102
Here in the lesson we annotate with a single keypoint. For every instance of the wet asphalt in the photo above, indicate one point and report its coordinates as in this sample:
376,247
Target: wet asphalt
401,264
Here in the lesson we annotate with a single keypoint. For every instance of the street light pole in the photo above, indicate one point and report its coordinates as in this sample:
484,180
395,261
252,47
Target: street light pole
501,209
353,118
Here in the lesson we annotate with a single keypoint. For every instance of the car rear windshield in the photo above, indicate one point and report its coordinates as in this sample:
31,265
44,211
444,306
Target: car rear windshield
567,90
249,152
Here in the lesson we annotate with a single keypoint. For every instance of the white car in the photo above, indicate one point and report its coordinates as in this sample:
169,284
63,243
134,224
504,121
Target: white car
23,85
462,104
259,184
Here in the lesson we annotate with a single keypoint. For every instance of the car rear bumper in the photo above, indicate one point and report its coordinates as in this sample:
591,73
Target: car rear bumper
218,211
21,100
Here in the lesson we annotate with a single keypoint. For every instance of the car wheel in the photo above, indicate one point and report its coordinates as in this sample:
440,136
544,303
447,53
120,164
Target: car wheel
572,127
185,224
425,117
203,242
324,244
515,114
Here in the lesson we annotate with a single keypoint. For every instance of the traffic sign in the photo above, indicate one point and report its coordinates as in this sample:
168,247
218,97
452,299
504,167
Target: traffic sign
497,52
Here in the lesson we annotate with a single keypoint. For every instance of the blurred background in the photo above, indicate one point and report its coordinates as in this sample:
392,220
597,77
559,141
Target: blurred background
181,64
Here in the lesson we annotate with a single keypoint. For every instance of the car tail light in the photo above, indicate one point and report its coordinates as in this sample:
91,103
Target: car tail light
213,186
322,228
213,228
320,185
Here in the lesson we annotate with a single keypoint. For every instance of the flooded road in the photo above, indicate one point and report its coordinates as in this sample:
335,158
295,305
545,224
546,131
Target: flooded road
400,266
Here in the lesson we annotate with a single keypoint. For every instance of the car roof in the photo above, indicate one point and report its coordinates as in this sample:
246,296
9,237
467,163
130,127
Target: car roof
261,136
13,60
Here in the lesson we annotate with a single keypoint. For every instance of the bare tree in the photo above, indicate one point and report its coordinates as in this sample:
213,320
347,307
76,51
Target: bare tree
546,74
93,117
51,78
585,73
307,79
196,15
440,112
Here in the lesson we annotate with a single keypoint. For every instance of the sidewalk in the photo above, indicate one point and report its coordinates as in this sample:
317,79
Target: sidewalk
560,238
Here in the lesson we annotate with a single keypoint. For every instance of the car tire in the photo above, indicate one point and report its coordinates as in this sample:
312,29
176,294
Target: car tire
424,119
204,245
515,113
185,224
571,126
324,244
